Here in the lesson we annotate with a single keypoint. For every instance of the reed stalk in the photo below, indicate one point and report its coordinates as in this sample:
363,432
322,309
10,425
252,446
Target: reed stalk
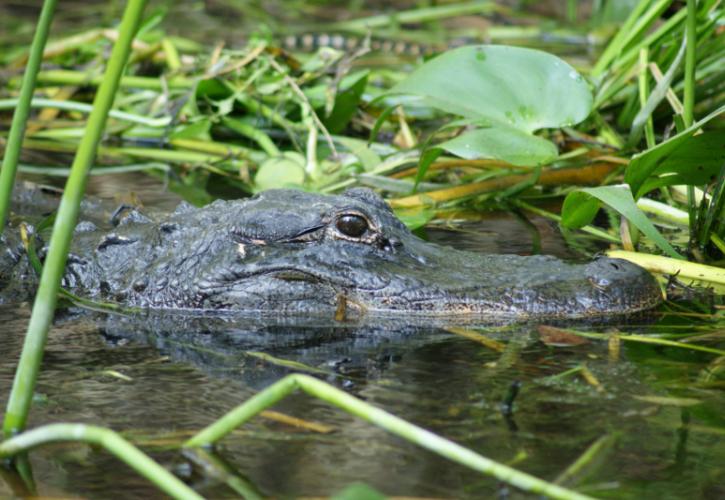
26,374
106,439
20,117
395,425
689,99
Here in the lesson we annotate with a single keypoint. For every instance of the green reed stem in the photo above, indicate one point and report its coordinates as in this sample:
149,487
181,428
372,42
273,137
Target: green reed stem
643,339
104,438
590,457
82,107
27,372
20,117
70,77
649,132
691,35
247,130
643,15
689,98
382,419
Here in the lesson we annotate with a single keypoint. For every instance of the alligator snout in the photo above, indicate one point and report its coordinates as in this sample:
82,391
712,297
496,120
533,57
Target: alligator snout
620,285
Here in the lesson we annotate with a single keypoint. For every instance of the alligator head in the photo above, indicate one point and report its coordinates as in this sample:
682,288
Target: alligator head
286,251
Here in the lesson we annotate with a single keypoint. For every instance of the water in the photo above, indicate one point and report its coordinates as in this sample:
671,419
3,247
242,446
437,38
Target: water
179,376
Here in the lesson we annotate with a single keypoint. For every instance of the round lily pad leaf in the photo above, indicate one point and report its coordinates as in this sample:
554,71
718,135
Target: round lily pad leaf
502,143
285,171
521,88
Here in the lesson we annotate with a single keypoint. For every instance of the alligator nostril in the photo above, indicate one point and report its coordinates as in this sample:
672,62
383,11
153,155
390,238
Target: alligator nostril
390,244
140,285
614,265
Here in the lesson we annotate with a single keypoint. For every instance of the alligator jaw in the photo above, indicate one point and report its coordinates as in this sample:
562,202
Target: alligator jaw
521,288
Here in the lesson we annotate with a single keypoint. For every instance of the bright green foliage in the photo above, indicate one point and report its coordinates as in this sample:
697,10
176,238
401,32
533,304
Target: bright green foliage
681,154
521,88
579,211
283,171
359,491
502,143
510,92
696,161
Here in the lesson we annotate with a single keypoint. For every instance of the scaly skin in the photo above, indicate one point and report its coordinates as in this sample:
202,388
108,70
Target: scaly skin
285,251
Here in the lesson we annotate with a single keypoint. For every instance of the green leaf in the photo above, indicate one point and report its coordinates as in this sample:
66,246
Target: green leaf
620,199
380,121
368,158
646,164
416,217
520,88
426,158
696,162
195,130
358,491
502,143
579,209
212,89
346,103
286,171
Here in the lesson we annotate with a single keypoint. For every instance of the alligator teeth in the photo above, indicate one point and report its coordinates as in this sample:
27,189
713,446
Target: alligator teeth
242,250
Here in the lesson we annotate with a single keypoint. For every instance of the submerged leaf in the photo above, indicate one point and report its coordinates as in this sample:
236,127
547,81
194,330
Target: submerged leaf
669,401
559,337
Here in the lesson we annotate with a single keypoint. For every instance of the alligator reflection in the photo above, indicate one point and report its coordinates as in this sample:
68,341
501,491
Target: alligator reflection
424,374
262,349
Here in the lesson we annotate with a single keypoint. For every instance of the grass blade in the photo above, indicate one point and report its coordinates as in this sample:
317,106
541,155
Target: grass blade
20,117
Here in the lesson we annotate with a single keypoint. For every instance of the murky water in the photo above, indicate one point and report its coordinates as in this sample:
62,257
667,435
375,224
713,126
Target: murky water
179,376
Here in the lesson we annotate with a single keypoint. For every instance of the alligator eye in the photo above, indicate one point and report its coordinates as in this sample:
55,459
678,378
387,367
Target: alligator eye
352,225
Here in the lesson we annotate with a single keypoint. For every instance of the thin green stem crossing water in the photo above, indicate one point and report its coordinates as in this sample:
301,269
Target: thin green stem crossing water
395,425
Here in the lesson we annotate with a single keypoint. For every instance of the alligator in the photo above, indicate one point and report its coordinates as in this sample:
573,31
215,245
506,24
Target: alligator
288,252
